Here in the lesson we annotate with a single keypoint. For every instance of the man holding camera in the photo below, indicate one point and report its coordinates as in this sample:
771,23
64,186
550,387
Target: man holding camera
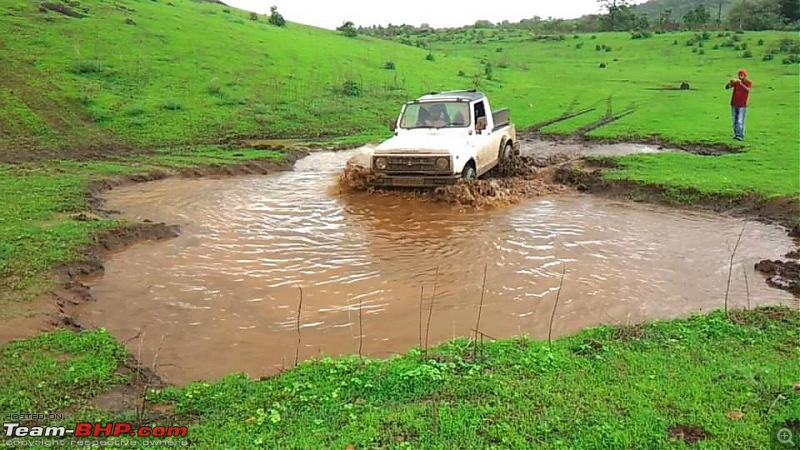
739,100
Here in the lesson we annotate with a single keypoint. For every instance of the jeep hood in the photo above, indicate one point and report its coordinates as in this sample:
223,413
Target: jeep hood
422,141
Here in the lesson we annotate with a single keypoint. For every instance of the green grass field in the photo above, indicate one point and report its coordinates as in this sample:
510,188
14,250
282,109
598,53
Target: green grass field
605,388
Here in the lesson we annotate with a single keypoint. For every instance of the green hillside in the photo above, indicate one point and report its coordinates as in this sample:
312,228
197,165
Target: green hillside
154,73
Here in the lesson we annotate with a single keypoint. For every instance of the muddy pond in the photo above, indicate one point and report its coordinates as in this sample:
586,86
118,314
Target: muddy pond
223,296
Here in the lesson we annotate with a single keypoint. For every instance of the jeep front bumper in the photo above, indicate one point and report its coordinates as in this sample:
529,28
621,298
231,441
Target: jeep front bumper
385,180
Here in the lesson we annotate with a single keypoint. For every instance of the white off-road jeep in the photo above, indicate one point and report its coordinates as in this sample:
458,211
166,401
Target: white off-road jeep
443,137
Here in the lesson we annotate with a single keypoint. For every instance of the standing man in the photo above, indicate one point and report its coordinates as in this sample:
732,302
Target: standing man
739,101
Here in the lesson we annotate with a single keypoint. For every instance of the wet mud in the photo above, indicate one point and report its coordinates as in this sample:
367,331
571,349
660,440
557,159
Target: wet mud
224,295
781,274
511,182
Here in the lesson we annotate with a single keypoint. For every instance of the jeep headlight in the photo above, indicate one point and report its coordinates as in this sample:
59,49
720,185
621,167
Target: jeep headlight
442,163
380,163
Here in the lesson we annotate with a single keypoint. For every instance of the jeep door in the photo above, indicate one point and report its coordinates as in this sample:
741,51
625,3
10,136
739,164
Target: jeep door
488,142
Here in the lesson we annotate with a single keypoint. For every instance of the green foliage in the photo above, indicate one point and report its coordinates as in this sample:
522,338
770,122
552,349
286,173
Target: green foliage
276,18
389,65
747,54
792,59
605,387
59,369
348,29
351,88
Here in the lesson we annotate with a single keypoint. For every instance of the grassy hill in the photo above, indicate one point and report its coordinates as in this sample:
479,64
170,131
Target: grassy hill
156,73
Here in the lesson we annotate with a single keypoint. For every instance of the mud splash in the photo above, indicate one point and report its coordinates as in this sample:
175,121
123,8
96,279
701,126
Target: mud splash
510,183
223,296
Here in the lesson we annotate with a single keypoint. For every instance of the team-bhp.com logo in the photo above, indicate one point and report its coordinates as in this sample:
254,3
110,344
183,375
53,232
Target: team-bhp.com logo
97,429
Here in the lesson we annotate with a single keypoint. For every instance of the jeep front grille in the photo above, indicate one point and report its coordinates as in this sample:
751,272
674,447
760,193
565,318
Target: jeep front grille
411,164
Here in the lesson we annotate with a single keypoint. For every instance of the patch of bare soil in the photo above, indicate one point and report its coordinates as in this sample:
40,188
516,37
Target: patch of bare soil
512,181
697,148
688,433
61,8
781,274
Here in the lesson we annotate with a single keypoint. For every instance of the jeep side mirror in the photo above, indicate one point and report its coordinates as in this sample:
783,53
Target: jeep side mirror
393,125
480,125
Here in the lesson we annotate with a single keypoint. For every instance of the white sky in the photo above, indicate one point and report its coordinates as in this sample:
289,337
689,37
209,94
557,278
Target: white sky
437,13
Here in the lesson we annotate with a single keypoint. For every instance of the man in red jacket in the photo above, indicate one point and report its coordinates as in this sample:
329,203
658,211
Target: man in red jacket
739,102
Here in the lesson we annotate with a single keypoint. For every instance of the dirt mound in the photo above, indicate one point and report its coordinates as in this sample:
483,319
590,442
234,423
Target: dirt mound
510,182
782,274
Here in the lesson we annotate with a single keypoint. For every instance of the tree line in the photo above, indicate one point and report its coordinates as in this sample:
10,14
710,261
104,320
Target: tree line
622,15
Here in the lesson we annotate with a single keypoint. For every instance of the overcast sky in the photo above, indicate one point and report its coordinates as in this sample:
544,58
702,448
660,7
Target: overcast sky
437,13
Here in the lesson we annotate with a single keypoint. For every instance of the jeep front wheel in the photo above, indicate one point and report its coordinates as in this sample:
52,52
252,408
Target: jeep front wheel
508,151
469,172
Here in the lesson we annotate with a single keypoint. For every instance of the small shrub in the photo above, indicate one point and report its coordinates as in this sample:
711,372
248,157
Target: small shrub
576,37
737,47
701,52
129,21
594,37
716,46
430,57
253,16
172,105
736,38
499,50
675,42
87,66
747,54
134,111
579,45
793,59
739,32
760,42
461,73
214,89
700,44
706,35
768,57
694,49
744,46
690,43
389,65
608,49
275,18
598,47
351,88
720,34
602,65
226,11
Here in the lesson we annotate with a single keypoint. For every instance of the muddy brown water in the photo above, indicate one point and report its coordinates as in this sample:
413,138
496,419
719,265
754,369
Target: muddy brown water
223,296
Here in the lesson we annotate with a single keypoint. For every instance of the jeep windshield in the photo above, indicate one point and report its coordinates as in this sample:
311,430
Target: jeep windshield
435,115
